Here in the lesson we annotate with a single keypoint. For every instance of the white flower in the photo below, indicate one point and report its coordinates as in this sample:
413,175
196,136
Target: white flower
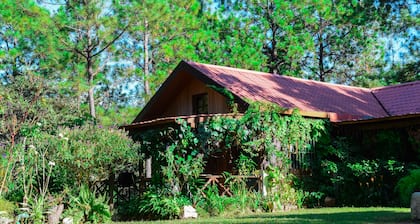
51,163
60,135
92,178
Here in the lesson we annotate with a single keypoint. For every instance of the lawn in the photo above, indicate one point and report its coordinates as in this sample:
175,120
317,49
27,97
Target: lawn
322,215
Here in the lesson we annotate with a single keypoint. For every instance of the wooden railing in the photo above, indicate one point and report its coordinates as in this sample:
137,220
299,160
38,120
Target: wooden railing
219,181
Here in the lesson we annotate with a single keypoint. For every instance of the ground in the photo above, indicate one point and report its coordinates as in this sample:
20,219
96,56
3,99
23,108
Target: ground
323,215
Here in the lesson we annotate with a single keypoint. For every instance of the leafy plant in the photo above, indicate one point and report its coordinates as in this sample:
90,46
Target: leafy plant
87,208
213,203
89,154
407,185
7,207
245,165
241,196
159,203
35,210
32,178
183,161
280,189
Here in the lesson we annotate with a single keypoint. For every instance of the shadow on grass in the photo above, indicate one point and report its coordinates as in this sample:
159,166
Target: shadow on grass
349,217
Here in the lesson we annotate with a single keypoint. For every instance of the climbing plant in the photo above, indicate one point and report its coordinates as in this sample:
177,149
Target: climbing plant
259,141
266,133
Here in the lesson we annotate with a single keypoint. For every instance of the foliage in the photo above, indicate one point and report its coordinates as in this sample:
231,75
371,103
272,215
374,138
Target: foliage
280,190
161,203
31,181
407,185
8,207
57,61
89,154
27,111
35,210
245,165
160,31
129,210
178,162
87,30
213,203
27,46
345,169
86,207
184,163
101,48
244,197
265,140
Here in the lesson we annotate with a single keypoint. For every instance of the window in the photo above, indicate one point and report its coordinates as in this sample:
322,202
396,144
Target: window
200,104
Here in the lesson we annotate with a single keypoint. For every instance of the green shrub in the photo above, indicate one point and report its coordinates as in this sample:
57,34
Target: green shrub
158,203
240,194
8,207
88,154
129,210
87,208
213,203
407,185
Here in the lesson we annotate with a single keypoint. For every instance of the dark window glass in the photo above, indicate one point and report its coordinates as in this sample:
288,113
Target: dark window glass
200,104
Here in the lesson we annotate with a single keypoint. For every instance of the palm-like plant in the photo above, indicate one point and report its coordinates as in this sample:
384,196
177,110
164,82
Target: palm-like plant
88,208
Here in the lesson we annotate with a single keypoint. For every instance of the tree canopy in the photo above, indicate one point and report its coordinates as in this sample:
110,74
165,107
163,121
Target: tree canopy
108,57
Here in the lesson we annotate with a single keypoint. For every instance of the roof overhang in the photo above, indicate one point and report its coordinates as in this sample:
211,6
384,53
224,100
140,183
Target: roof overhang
193,120
401,121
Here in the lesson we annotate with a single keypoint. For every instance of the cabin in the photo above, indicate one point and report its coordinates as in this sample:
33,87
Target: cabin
195,92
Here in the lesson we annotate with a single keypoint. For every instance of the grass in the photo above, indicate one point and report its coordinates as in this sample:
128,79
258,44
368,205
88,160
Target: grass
345,215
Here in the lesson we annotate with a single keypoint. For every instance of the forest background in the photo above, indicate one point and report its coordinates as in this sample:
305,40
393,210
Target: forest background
105,59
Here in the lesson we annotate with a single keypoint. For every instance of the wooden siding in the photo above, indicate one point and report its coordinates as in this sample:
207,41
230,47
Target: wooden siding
181,104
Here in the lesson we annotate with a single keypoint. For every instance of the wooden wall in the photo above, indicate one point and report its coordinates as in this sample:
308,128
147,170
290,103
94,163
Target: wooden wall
182,101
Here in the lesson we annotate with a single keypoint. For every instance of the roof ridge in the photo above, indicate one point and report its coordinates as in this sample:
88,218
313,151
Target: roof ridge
227,67
397,85
380,103
280,76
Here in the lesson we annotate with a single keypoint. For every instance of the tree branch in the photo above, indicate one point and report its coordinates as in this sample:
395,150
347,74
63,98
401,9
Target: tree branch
111,42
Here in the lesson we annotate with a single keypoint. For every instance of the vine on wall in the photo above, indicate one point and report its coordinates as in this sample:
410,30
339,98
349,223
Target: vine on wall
263,137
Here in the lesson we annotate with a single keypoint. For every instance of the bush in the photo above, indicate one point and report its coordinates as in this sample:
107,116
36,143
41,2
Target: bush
128,211
8,207
87,208
213,203
87,154
407,185
158,203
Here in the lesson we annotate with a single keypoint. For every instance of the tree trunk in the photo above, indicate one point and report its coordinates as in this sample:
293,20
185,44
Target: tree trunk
146,59
321,52
111,188
90,75
91,97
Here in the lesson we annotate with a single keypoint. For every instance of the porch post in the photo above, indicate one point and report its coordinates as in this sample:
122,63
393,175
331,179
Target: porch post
149,167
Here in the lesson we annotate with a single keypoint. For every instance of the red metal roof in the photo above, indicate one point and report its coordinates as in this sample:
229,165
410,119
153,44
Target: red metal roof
345,102
317,99
403,99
